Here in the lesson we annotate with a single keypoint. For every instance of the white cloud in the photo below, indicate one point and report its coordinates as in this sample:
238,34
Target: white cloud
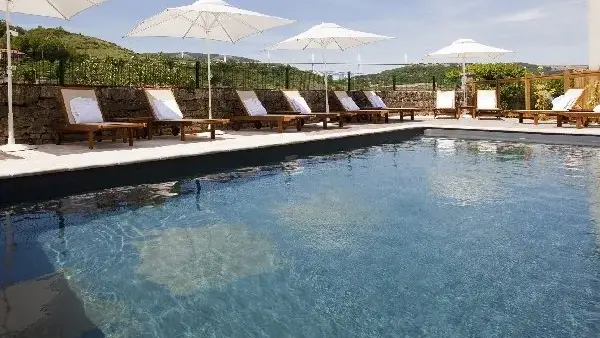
524,16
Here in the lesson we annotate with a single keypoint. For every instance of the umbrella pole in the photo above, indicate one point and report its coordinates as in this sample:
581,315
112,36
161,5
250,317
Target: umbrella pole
326,89
209,78
11,132
464,81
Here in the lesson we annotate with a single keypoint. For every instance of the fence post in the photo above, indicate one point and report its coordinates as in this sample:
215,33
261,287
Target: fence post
527,92
197,74
61,72
434,83
567,79
287,77
497,93
349,81
394,82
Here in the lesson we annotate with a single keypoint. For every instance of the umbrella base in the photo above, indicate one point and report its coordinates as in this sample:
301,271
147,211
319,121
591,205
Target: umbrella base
13,148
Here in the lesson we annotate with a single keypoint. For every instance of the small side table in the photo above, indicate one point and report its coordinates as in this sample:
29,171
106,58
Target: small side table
472,110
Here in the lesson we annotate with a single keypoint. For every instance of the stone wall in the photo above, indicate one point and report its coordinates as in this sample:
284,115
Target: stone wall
38,108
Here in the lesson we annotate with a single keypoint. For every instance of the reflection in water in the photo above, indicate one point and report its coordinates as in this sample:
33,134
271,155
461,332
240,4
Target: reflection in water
189,260
326,220
465,189
9,243
595,197
444,146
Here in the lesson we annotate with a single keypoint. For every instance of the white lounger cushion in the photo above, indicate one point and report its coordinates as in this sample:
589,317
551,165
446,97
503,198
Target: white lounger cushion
375,100
347,103
85,110
167,110
566,101
597,109
297,102
299,105
486,99
445,99
254,107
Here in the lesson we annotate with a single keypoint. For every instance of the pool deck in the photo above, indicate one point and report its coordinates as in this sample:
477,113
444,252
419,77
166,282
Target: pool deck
52,158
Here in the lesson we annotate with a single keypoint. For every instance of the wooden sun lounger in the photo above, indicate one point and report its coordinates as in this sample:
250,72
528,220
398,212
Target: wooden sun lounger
281,119
319,116
322,117
178,126
455,112
372,113
93,130
581,117
399,110
402,111
493,112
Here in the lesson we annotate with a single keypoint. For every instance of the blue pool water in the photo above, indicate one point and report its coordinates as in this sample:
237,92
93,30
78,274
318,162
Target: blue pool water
428,238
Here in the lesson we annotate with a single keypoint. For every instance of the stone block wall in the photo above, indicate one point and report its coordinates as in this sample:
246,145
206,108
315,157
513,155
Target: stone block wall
38,108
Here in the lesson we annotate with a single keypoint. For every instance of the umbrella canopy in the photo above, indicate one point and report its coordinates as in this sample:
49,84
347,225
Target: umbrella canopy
328,36
209,20
62,9
467,49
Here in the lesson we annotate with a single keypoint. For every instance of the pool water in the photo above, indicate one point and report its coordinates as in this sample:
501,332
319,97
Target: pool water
427,238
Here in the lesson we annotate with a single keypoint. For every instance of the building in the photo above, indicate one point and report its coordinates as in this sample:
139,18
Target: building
16,55
594,34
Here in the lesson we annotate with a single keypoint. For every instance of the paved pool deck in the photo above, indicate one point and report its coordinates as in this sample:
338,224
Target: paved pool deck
52,158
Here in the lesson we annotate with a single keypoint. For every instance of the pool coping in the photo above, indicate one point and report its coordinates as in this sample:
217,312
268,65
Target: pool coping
49,183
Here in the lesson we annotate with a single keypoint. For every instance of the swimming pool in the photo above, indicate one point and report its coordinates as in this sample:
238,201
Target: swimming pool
427,238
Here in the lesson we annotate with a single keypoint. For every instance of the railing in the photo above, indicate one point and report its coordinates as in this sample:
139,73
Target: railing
534,91
162,72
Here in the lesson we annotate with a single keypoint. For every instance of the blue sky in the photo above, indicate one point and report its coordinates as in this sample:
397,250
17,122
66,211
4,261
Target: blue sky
539,31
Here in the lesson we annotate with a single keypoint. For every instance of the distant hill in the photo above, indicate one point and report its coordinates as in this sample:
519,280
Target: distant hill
202,56
424,74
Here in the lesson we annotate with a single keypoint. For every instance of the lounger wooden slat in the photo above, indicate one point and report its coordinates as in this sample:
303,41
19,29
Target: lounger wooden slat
86,97
161,98
250,103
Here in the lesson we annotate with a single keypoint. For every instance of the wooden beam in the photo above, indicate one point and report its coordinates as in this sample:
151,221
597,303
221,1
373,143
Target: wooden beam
527,93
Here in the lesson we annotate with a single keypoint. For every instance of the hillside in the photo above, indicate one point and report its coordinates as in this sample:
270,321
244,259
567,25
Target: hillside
203,57
57,43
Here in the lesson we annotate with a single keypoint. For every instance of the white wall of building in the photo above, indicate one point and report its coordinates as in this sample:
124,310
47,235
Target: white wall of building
594,33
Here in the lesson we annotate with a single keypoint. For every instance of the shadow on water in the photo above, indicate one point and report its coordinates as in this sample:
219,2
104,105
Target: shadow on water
35,300
37,297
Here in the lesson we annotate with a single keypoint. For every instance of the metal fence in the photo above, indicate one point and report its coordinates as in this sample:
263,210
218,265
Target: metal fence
154,72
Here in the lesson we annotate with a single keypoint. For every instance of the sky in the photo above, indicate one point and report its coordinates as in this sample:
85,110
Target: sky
538,31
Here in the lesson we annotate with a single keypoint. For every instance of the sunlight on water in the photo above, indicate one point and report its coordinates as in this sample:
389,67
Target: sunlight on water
189,260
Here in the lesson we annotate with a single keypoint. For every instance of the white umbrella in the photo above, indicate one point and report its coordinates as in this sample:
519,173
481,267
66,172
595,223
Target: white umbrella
208,20
63,9
465,49
328,36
